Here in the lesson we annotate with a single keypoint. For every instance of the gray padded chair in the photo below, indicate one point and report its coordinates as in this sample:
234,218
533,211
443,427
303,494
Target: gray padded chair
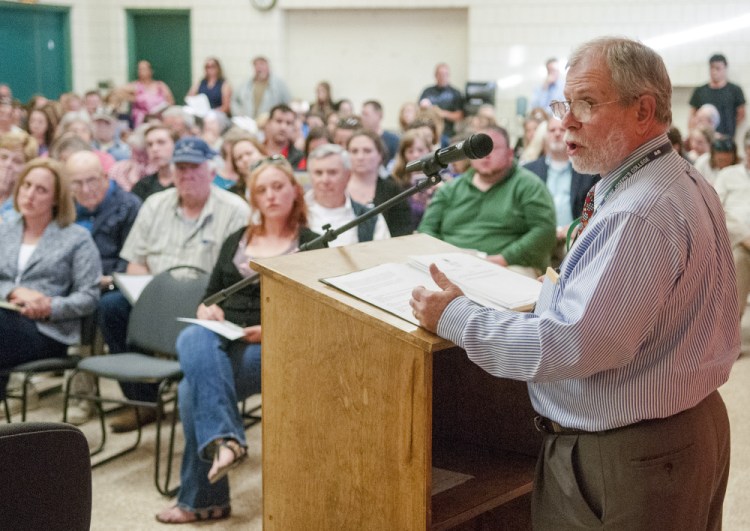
152,328
46,473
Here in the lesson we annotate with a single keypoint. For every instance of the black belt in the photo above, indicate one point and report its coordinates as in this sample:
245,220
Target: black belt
545,425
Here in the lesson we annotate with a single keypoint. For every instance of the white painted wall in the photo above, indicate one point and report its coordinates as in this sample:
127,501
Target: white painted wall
505,38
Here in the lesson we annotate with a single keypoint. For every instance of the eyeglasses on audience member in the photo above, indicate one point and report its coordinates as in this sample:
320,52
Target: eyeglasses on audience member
273,159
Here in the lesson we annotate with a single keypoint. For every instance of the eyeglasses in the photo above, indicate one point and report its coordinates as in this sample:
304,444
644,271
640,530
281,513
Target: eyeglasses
349,123
90,182
581,109
273,159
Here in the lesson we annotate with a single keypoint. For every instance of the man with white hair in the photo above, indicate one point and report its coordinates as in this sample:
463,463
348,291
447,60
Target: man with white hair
179,121
627,346
108,213
328,203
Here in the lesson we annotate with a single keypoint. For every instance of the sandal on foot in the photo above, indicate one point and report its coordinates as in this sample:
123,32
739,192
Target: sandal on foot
240,454
178,515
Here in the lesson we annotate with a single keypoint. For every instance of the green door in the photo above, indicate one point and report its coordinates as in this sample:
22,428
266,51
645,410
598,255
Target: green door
35,50
161,37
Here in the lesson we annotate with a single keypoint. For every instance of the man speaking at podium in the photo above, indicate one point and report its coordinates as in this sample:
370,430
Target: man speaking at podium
625,350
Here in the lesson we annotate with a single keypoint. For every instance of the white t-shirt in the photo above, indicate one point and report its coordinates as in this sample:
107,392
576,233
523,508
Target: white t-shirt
24,255
317,216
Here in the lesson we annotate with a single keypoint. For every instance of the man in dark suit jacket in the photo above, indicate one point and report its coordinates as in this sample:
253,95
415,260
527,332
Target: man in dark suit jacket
567,186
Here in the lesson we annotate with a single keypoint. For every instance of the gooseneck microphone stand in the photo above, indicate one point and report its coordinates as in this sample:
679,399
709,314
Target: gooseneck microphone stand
330,234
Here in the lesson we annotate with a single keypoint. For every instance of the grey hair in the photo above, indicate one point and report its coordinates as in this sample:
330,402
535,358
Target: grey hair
635,69
75,116
326,150
179,111
713,114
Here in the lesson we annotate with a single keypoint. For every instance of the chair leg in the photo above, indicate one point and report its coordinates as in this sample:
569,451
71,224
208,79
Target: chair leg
165,490
25,394
7,409
97,404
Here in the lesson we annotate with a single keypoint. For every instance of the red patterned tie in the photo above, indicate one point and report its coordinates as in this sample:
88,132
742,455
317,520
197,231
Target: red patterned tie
588,208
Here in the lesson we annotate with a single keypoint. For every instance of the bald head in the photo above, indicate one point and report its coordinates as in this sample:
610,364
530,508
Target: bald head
87,178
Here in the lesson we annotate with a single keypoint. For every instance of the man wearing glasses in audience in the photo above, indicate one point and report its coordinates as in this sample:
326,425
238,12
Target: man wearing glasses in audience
108,213
627,345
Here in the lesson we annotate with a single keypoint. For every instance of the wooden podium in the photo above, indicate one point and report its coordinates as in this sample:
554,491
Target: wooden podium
360,405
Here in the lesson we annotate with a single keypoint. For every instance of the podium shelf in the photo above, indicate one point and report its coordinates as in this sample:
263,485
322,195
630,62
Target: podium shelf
499,478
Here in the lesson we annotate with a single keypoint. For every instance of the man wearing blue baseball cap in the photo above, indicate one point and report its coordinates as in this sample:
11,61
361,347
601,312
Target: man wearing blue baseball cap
184,225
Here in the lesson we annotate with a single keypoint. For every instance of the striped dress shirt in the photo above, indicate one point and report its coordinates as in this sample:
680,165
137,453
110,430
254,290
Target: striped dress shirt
643,321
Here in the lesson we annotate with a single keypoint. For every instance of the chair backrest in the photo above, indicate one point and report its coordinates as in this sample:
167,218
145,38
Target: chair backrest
46,471
171,294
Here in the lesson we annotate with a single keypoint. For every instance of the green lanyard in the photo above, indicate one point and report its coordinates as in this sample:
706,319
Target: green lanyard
624,175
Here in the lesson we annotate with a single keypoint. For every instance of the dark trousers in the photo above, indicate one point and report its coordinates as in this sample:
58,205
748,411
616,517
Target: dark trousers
666,474
21,341
113,313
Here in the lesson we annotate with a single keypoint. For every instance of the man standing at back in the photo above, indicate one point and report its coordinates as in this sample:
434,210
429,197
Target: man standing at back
551,89
259,93
626,348
184,225
446,99
725,96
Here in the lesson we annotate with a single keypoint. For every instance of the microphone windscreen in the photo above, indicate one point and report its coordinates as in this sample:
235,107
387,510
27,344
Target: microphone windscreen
478,146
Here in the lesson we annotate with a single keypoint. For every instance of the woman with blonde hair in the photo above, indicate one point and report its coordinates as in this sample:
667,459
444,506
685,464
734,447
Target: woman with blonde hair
49,270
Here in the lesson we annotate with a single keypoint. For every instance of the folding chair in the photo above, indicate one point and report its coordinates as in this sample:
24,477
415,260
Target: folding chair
152,328
49,365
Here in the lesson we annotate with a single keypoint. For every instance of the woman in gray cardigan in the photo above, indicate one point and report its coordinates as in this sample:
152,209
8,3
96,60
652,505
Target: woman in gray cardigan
49,270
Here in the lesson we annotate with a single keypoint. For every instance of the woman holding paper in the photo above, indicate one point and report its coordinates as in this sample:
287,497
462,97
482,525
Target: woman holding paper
217,90
49,270
218,372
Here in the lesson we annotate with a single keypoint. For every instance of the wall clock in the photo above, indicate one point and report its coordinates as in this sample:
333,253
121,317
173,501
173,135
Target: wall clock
263,5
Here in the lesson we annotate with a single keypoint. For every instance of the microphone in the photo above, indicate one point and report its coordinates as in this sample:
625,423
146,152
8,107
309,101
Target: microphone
474,147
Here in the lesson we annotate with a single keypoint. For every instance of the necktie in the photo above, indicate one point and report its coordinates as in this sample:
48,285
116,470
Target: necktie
588,208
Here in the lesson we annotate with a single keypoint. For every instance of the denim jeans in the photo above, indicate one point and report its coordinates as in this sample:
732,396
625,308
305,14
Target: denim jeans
113,312
217,374
21,341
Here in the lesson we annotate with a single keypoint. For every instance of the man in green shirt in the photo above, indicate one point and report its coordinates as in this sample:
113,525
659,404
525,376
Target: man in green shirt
497,208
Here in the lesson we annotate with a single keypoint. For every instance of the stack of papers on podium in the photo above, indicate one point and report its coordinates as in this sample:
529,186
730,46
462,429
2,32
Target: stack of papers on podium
389,286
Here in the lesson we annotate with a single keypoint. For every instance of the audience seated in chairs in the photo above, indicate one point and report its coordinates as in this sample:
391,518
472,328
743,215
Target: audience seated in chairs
184,225
49,270
219,372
